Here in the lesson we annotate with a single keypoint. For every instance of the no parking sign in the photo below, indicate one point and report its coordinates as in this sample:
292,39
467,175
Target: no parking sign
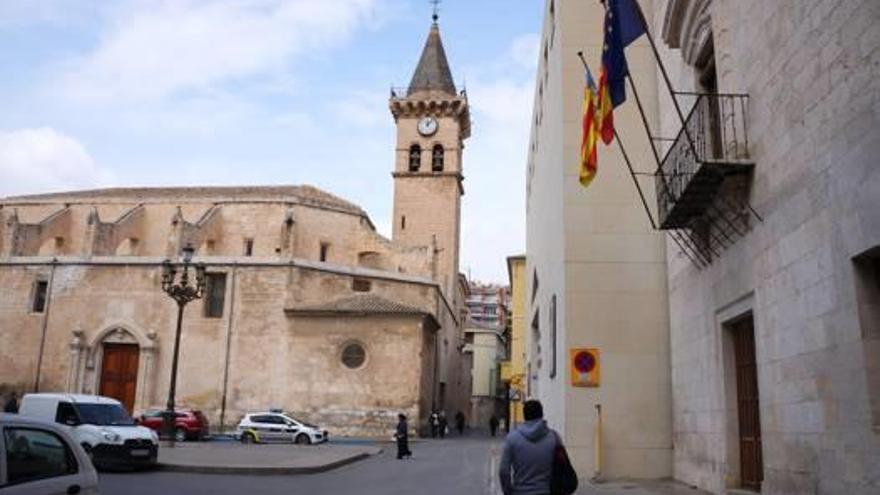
584,367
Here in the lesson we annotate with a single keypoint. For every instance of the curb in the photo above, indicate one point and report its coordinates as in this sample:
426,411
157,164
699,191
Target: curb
253,470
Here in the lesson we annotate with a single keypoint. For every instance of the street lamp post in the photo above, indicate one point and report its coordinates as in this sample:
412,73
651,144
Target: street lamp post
183,291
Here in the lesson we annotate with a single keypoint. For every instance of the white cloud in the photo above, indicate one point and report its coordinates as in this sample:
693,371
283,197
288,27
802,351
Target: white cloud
41,159
155,49
524,50
493,221
368,109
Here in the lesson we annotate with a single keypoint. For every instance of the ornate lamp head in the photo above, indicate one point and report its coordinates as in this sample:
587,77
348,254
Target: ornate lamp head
188,253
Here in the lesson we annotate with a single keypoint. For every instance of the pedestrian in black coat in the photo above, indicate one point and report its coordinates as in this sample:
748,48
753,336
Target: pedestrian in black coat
402,437
443,424
493,424
459,422
11,405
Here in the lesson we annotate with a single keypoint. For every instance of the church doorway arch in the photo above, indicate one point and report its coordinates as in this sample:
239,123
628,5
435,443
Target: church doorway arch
117,362
119,373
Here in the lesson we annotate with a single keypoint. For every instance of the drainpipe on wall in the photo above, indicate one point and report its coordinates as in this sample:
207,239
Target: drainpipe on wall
45,324
228,347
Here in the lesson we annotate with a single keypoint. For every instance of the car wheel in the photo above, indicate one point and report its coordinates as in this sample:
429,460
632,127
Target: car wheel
302,439
248,437
180,435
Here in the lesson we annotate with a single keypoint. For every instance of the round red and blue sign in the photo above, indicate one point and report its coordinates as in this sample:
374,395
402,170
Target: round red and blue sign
584,362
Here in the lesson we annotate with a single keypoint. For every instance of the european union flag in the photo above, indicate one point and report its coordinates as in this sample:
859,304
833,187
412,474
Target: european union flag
623,24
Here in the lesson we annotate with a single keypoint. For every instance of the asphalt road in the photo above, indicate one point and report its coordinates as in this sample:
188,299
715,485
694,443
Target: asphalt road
449,466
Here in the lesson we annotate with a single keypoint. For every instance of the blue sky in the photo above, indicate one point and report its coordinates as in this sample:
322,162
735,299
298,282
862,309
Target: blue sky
137,92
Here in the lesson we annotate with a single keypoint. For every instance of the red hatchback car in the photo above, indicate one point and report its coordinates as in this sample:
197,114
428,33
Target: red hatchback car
189,423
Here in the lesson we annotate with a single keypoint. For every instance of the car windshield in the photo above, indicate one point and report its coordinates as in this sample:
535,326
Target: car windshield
291,416
104,415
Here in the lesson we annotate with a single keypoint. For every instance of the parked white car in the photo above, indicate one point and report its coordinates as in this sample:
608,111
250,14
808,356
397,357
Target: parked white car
40,457
100,425
278,427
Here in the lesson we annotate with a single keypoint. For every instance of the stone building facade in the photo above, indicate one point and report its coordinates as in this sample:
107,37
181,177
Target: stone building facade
487,341
596,271
307,307
775,342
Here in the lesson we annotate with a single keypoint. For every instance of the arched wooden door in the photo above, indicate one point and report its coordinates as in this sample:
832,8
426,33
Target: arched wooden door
119,372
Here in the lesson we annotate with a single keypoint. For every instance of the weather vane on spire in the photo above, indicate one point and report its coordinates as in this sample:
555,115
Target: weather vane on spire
436,4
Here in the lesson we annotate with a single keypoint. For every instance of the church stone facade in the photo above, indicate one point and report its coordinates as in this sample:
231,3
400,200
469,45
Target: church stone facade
307,307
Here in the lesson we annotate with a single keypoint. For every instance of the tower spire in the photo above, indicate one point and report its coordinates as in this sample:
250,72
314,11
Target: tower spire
432,72
436,4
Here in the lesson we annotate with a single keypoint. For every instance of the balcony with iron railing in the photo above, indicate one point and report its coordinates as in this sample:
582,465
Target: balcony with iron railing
711,147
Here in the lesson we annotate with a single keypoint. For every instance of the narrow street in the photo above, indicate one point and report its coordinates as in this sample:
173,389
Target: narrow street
449,466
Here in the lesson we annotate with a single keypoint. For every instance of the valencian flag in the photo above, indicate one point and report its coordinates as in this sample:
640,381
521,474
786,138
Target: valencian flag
589,132
623,25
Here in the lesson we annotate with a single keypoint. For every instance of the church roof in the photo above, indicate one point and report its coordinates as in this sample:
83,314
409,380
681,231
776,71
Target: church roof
303,194
432,72
360,304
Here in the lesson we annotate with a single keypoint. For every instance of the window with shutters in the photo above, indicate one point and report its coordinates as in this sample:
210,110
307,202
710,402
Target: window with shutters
38,305
437,159
215,293
415,158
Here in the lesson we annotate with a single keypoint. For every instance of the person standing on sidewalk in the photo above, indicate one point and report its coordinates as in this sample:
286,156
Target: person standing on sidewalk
443,424
435,424
527,459
493,424
11,405
459,422
402,437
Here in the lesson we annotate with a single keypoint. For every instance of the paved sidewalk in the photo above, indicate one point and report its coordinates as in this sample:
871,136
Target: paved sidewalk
233,458
637,487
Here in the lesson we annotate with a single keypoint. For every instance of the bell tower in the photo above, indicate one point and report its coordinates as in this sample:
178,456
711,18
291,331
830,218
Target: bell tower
433,120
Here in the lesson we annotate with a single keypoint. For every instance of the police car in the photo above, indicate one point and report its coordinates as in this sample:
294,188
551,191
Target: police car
275,426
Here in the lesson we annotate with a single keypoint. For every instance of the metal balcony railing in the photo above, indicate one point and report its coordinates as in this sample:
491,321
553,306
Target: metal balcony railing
711,146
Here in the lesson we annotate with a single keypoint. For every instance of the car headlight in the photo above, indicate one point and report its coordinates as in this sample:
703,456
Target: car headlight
110,436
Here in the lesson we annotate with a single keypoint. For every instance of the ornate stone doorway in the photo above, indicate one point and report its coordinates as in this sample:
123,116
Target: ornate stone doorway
119,373
118,361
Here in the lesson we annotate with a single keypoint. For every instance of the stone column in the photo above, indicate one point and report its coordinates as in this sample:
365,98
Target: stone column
77,344
146,375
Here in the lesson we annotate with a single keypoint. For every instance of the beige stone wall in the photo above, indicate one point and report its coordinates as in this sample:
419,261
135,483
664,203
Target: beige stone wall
275,360
593,251
105,225
810,70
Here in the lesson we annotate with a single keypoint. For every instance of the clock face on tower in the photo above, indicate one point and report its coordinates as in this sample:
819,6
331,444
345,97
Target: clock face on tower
427,126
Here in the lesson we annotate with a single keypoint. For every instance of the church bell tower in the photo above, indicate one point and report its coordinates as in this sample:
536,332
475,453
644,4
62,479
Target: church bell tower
433,120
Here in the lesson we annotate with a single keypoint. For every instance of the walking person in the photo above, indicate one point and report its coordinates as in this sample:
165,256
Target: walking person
402,437
434,421
443,424
527,460
493,424
11,405
459,422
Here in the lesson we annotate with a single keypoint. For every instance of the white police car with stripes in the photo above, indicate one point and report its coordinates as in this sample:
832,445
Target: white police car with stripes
275,426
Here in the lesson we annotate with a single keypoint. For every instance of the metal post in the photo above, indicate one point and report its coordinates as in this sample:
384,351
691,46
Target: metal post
168,417
182,292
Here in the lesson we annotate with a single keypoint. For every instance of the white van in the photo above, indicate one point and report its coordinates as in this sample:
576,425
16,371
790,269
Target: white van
100,425
41,457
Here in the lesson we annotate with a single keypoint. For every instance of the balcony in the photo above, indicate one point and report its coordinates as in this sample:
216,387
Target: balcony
694,186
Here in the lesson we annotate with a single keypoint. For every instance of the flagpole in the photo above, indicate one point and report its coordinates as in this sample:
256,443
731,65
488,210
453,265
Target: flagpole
626,159
665,76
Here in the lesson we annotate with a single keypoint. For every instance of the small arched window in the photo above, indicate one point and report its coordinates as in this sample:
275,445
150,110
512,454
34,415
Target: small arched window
437,159
415,158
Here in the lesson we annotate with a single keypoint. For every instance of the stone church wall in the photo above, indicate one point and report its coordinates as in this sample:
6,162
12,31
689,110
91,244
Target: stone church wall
810,69
104,286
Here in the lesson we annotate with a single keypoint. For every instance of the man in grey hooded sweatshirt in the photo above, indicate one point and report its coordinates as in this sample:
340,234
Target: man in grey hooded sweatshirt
527,459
